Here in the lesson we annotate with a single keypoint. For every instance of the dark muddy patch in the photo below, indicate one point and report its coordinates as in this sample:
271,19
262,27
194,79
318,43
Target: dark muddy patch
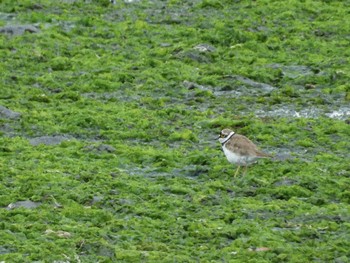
249,83
17,30
6,113
100,148
23,204
50,140
295,71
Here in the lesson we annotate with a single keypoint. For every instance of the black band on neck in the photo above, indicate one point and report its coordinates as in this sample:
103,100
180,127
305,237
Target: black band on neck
229,137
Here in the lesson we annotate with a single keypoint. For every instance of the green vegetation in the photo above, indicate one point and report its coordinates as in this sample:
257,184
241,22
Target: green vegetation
107,138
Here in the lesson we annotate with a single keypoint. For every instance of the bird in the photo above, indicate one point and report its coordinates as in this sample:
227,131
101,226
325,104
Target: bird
239,149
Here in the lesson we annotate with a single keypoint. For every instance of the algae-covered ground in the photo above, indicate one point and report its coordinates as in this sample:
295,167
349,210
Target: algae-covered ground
108,119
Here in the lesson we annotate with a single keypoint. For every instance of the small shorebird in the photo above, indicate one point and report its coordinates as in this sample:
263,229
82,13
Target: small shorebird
239,149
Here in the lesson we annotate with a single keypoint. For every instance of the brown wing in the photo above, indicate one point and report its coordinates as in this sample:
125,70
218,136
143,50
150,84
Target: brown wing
244,147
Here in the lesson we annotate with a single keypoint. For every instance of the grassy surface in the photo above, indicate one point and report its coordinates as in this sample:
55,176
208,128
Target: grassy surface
138,175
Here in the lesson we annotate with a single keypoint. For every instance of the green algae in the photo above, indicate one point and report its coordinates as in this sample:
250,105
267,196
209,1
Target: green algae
141,176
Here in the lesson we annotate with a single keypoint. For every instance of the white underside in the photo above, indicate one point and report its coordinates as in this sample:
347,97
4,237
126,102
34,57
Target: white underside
238,159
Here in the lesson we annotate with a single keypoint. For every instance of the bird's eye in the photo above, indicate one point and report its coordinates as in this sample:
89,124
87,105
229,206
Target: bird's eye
222,135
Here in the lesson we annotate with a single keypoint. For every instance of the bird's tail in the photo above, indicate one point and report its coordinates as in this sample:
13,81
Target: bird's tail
264,155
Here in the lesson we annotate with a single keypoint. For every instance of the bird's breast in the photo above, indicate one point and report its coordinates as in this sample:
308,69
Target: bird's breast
235,158
231,156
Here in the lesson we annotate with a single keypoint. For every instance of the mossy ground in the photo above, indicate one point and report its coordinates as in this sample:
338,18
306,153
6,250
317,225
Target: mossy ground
141,178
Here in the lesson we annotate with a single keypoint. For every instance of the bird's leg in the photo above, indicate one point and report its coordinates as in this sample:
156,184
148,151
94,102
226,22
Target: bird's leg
237,171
